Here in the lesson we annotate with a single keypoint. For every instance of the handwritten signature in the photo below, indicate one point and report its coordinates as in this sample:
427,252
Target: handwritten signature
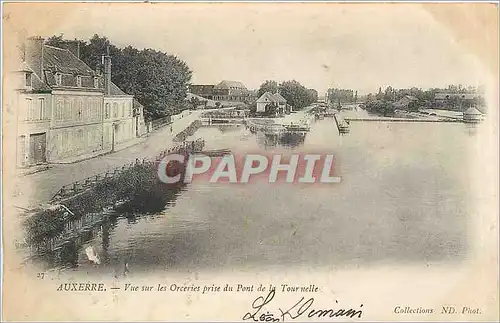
302,307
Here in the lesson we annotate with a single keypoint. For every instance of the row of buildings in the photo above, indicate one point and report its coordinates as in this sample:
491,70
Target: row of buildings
225,91
66,110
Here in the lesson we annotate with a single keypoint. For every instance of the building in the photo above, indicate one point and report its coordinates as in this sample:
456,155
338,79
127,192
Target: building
268,100
472,115
282,106
405,102
140,123
61,115
231,91
443,96
33,117
206,91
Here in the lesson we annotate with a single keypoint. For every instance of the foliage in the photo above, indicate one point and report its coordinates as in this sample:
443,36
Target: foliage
380,107
189,131
338,96
158,80
253,108
271,109
268,86
297,95
427,98
195,102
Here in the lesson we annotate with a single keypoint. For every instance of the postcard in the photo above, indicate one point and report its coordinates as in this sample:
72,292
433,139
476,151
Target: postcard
246,161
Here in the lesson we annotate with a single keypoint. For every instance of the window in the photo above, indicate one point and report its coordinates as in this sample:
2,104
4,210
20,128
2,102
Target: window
96,82
58,78
79,80
115,109
28,80
41,102
29,109
123,109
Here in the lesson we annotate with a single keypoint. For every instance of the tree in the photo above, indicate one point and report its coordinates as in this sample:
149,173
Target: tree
380,107
340,95
195,102
157,80
271,109
267,86
56,41
297,95
389,94
253,108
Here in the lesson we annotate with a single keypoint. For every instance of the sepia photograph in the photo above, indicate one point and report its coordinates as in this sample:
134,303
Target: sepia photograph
246,161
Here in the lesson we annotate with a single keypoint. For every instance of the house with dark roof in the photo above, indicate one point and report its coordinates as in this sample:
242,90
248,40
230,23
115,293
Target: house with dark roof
268,100
61,109
232,91
405,102
205,91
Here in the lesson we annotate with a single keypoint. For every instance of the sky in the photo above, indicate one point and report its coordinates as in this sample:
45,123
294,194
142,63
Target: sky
356,46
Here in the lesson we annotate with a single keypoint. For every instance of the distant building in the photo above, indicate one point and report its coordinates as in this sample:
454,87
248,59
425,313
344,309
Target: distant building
405,102
472,115
268,100
206,91
61,115
232,91
443,96
282,106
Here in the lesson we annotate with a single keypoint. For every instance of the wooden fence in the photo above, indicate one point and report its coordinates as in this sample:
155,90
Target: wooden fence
158,123
87,183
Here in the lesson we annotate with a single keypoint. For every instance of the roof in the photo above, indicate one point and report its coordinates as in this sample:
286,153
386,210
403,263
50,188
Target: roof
445,95
115,90
23,67
36,82
63,61
405,101
230,84
279,98
472,111
137,104
267,97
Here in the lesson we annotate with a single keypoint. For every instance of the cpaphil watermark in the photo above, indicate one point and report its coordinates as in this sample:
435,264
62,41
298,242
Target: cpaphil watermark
293,168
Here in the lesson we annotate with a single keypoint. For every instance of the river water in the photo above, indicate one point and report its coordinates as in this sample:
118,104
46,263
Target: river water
403,198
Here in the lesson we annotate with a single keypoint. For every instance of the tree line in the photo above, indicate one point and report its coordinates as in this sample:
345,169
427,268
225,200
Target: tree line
296,94
383,102
159,81
339,96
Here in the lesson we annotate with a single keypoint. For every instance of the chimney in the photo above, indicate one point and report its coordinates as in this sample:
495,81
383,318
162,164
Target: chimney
34,55
72,45
106,62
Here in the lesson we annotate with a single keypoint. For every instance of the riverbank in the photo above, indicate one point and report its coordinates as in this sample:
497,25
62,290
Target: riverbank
87,204
34,189
401,119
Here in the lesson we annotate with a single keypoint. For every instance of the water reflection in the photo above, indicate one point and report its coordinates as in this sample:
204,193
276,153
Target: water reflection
285,140
227,128
403,197
149,203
